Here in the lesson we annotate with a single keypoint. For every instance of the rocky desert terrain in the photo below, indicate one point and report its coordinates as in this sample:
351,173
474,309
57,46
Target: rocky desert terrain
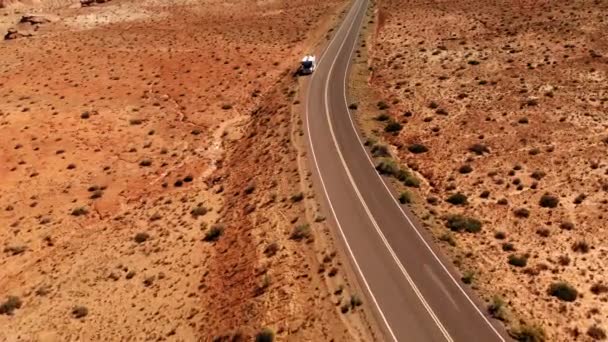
499,109
151,182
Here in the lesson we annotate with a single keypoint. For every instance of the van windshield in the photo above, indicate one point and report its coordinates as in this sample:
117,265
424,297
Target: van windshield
307,64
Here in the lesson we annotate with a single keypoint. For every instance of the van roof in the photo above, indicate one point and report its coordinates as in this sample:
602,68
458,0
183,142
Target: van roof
308,58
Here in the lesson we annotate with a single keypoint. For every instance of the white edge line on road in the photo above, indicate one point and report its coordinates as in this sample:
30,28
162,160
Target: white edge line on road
403,212
362,200
350,251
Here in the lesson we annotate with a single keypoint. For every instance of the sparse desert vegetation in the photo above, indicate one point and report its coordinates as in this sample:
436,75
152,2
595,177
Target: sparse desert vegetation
149,178
502,113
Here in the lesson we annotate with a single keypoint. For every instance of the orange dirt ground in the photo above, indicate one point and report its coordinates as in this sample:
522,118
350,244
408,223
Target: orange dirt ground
130,132
511,100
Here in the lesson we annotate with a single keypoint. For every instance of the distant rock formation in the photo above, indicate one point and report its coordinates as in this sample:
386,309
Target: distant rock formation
13,33
87,3
34,19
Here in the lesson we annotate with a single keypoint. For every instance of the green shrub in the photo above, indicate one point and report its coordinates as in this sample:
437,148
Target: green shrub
80,311
297,197
405,197
447,237
80,211
497,308
479,149
265,335
382,117
548,201
518,260
459,223
393,126
464,169
468,277
214,233
198,211
527,333
11,304
521,212
596,333
141,237
387,167
382,105
457,199
563,291
407,178
300,232
417,148
380,151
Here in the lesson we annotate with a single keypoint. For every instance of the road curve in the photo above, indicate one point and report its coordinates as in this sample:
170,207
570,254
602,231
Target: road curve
414,294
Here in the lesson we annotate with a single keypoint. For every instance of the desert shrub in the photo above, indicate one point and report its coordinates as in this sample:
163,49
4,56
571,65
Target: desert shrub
297,197
518,260
352,106
15,249
599,288
563,260
484,194
407,178
497,309
79,311
85,115
214,233
457,199
265,335
135,121
405,197
80,211
271,249
468,277
198,211
580,246
382,117
579,199
387,167
466,168
508,247
563,291
528,333
523,120
459,223
537,174
96,194
355,301
379,150
473,62
11,304
566,225
141,237
548,201
479,149
433,105
249,189
447,237
500,235
145,162
300,232
393,126
596,333
417,148
226,106
543,232
382,105
521,212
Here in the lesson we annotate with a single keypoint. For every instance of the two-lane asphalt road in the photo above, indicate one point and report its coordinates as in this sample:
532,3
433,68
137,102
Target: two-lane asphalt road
412,292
